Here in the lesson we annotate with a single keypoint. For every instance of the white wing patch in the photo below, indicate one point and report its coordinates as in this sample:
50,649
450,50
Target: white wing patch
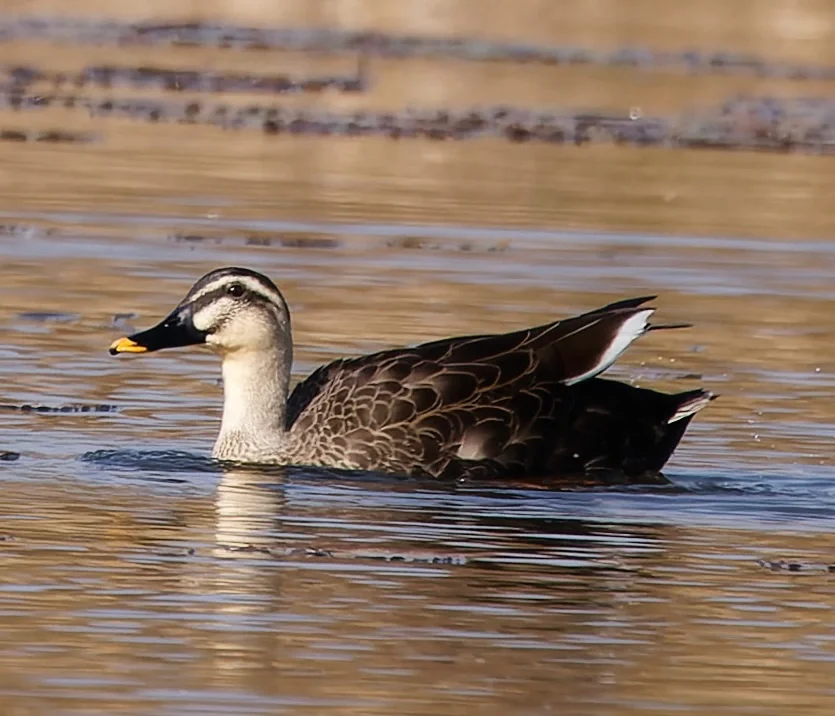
632,328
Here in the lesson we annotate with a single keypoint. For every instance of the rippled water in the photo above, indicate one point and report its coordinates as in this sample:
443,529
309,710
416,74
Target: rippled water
137,578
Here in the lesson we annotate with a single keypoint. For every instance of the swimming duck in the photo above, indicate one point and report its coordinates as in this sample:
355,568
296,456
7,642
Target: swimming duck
520,405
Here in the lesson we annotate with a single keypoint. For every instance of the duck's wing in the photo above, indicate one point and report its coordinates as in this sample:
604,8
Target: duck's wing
466,369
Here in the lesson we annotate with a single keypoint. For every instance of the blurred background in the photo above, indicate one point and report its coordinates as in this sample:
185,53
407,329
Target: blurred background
408,170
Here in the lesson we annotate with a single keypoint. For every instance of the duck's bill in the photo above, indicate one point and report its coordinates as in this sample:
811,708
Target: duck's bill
126,345
171,333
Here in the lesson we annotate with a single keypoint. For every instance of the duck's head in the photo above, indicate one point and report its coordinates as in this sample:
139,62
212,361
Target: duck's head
230,310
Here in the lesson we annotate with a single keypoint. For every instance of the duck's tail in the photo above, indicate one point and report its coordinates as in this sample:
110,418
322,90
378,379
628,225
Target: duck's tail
620,428
690,403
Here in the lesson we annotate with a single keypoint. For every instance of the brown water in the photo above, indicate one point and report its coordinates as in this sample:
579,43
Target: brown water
138,579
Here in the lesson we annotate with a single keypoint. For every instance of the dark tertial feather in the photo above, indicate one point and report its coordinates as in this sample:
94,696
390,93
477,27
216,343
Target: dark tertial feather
567,347
625,303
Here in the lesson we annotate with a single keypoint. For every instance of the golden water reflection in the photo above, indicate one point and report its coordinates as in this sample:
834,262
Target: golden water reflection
102,594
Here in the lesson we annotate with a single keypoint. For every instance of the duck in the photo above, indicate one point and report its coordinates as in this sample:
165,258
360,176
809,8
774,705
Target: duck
523,405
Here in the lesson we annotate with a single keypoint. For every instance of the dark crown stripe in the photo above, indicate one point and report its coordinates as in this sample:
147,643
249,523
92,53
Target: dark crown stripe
213,286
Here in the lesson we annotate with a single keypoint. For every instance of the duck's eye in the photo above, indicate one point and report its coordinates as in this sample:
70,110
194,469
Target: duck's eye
235,289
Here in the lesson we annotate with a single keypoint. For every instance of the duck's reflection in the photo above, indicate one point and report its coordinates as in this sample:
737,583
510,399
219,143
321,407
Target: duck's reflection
387,586
248,507
353,577
288,513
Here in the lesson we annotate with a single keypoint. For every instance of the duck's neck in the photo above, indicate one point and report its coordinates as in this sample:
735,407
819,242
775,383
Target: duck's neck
255,385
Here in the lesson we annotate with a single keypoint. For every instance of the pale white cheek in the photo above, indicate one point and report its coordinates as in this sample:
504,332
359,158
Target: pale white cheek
250,331
209,316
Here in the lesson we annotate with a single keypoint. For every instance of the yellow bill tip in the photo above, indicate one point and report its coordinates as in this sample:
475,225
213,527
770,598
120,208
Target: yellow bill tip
126,345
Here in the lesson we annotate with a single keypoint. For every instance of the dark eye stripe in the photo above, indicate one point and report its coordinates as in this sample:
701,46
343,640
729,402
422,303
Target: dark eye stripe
250,297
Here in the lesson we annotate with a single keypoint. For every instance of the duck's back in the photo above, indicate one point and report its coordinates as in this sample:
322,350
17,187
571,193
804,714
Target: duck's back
520,405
